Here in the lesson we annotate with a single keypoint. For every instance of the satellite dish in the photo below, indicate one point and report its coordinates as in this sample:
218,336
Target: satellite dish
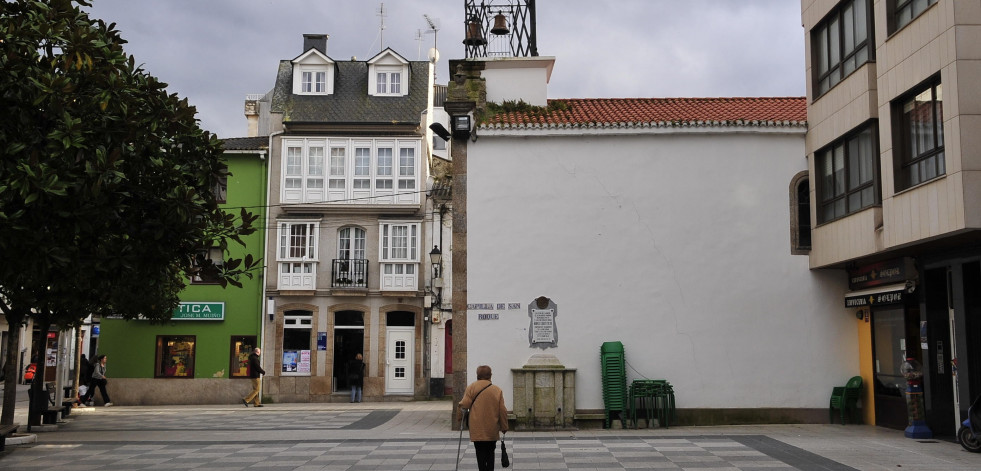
433,55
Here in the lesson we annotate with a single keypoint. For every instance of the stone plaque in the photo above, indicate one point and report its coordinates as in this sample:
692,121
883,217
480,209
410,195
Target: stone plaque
542,330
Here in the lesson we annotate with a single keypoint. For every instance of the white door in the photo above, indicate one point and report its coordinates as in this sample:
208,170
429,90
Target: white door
399,373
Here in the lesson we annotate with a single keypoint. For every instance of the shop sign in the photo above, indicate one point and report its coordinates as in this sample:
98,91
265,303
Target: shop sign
875,299
199,312
882,273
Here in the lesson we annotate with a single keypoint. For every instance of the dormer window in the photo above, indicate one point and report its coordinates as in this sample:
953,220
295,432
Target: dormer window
388,83
314,82
313,74
387,74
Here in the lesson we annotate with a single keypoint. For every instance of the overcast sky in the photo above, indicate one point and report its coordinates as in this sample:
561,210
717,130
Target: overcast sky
214,52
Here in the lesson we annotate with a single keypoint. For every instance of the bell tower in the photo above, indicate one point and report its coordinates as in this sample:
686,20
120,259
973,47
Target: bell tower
499,28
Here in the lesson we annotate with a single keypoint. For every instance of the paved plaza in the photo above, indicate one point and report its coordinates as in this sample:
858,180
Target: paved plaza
417,436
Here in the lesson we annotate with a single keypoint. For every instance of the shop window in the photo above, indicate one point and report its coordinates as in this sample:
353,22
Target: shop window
296,342
175,356
241,348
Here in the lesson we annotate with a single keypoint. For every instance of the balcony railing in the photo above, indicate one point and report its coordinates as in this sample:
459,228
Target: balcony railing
349,273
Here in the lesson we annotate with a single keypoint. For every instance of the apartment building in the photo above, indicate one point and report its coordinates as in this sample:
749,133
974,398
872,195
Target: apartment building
894,127
348,227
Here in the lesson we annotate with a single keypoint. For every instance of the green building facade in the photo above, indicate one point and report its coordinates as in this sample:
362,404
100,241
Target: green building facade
201,355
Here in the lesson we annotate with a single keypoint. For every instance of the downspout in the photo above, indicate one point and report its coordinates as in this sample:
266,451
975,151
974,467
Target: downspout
265,250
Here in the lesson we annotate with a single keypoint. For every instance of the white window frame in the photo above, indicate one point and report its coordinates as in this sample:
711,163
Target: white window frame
311,79
351,171
304,322
399,249
217,258
388,80
351,243
297,265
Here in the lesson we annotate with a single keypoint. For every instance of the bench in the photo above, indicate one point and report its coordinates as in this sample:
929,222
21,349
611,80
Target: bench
5,431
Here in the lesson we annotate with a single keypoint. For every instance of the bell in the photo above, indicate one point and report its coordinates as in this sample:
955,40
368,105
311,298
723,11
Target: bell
474,37
500,25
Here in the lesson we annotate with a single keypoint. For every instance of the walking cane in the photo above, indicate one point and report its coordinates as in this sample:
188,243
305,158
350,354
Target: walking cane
459,443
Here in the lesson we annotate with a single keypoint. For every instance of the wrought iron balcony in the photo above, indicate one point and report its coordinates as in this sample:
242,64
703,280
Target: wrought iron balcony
345,273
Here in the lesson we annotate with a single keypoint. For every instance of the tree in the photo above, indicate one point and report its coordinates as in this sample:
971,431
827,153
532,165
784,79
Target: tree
107,182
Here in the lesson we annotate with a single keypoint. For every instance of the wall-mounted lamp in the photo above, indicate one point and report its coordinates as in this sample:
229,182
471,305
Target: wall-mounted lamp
462,125
436,257
271,308
440,131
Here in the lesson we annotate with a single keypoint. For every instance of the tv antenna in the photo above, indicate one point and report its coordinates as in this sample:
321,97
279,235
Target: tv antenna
433,27
381,28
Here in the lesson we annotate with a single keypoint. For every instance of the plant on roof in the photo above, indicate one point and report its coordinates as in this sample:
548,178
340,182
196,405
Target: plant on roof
522,107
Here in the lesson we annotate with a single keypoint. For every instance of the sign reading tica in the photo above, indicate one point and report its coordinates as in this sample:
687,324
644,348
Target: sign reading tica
199,312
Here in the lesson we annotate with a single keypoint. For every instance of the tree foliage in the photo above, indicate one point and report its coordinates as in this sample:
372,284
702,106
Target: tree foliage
107,182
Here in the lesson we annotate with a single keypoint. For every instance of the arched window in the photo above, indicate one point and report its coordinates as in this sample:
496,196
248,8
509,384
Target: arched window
800,214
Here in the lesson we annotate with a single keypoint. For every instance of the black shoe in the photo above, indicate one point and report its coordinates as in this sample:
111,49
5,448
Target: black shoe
245,402
258,405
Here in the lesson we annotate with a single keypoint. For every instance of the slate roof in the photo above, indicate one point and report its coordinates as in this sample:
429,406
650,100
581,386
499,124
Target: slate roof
350,102
658,112
246,143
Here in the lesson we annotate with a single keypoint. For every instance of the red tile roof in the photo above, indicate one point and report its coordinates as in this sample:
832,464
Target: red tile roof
660,112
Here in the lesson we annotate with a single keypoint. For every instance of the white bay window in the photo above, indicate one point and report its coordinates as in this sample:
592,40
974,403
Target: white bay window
357,171
399,255
297,255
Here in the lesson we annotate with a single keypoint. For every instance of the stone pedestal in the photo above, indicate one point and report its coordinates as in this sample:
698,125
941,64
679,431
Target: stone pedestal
544,394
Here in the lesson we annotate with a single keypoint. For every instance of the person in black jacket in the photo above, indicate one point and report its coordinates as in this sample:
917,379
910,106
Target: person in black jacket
84,379
355,377
255,372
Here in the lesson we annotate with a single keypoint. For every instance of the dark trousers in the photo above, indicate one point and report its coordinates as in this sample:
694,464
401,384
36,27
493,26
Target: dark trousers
485,455
101,383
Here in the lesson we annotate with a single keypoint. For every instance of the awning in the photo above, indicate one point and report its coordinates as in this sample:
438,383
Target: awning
888,294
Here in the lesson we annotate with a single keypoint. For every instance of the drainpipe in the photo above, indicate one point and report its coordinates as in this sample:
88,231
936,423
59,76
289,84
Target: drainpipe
265,252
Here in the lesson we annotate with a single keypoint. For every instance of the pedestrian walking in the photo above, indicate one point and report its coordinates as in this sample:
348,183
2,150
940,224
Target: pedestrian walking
355,377
100,380
255,372
84,380
488,416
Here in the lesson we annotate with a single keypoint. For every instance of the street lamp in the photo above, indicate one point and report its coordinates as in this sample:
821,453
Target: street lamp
436,257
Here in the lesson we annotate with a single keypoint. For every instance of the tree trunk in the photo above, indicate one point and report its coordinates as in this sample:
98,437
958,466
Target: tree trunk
11,371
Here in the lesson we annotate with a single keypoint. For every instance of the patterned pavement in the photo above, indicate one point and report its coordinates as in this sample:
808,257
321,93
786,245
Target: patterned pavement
679,453
417,436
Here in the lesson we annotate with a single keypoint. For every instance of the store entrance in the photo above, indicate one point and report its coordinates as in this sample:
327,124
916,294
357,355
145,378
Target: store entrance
891,329
348,342
937,367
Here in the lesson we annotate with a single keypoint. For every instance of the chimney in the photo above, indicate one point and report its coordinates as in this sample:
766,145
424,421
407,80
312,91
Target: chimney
318,41
252,113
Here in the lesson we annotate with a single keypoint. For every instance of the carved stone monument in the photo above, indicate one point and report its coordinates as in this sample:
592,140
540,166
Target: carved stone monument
544,394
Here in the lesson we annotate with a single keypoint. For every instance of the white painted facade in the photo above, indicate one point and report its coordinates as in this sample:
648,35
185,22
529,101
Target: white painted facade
673,241
518,78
